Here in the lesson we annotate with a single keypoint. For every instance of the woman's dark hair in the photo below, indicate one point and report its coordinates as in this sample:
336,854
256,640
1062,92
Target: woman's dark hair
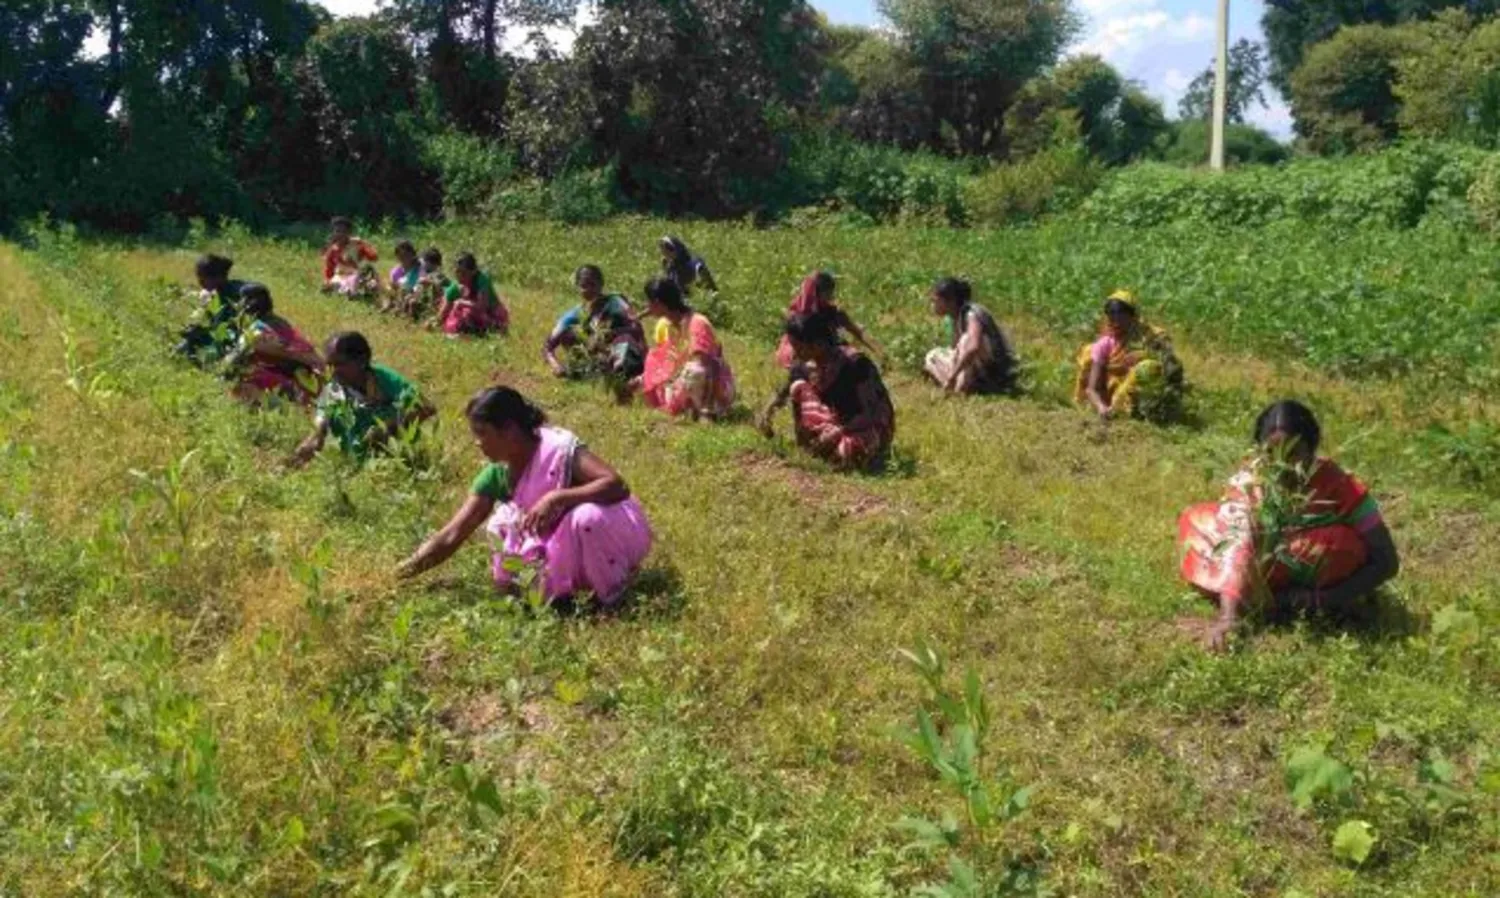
466,261
350,345
666,292
255,301
212,266
432,257
405,247
340,221
824,283
1291,418
499,406
816,330
1115,307
588,271
954,290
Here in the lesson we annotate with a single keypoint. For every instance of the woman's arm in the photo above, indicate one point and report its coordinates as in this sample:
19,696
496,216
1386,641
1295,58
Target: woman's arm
440,546
858,333
707,277
1097,386
968,351
418,412
777,403
269,347
310,446
549,351
594,482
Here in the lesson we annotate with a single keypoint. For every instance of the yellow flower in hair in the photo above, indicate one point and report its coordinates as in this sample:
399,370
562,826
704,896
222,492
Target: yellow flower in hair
1124,296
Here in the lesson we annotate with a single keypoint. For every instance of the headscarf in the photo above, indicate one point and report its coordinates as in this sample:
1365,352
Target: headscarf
680,266
1121,296
808,300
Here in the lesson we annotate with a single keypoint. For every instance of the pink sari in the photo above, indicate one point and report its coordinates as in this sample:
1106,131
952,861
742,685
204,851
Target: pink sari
677,382
807,303
290,380
594,548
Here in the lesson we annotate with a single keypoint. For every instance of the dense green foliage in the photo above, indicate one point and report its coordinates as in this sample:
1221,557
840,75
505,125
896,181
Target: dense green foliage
1400,188
213,684
1366,85
1244,88
1293,26
1188,143
268,110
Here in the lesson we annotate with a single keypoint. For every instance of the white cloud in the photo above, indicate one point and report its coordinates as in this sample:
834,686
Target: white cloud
349,7
1119,38
1164,44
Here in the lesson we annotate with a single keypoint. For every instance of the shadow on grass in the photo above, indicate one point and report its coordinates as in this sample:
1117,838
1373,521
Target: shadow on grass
1380,617
657,594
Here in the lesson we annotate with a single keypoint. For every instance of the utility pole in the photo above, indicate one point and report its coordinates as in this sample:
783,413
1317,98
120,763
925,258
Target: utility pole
1221,89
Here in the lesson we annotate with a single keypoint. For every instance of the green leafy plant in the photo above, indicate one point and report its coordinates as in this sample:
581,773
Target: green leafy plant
1367,803
91,382
949,738
174,487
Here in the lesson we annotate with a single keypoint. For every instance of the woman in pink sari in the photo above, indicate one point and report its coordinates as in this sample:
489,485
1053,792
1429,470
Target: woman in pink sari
547,503
685,371
470,304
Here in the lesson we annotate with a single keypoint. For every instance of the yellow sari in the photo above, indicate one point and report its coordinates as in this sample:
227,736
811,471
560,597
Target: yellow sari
1142,376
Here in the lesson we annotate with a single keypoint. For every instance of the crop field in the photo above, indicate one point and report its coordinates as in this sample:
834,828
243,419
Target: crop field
211,681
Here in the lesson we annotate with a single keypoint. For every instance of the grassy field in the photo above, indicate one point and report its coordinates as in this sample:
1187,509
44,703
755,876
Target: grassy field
210,682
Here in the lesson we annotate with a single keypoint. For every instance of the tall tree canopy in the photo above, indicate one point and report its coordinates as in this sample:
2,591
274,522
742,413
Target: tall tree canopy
687,93
1086,97
1246,86
1292,26
974,56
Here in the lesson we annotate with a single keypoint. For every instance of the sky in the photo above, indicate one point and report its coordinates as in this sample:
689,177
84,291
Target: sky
1161,44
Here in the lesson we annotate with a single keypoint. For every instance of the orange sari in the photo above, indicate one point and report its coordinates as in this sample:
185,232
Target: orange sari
1224,544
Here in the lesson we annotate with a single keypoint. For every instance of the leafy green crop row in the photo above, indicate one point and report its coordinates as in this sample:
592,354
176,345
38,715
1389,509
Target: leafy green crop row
1368,302
1397,188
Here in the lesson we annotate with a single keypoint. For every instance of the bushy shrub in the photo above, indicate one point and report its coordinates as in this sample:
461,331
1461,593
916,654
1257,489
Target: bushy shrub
1344,91
1395,188
1188,144
880,182
582,196
572,198
1051,181
470,170
1484,194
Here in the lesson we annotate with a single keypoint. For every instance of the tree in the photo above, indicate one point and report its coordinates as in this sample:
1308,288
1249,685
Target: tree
974,56
1116,121
1445,83
1293,26
461,43
871,89
1246,86
52,118
359,82
691,95
1343,95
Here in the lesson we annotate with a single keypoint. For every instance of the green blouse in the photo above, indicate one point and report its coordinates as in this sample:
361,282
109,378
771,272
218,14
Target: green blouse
493,483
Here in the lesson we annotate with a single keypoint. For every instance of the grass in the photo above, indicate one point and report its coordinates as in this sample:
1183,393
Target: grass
210,681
